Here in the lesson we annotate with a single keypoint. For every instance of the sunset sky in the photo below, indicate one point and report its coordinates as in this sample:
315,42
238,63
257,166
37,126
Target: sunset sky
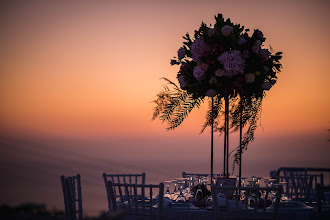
77,81
83,68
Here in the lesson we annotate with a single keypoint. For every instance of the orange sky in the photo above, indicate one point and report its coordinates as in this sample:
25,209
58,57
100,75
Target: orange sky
93,68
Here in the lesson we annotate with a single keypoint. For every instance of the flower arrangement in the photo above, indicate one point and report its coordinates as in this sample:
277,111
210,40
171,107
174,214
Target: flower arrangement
224,60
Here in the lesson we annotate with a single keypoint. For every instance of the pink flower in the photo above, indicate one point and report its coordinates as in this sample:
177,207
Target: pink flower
211,32
256,49
182,81
198,49
198,73
232,62
266,86
181,53
226,30
210,93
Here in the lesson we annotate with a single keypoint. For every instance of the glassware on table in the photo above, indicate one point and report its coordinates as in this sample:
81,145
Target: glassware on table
181,183
167,193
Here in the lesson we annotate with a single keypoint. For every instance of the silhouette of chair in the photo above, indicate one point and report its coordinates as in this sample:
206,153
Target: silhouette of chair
232,202
122,178
322,195
144,200
72,197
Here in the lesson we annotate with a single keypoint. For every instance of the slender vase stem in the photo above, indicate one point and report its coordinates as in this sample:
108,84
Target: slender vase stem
240,140
211,142
225,141
227,135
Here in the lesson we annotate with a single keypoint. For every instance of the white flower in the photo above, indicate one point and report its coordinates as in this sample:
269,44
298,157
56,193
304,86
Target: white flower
266,86
226,30
210,93
182,81
211,32
198,73
198,49
181,53
220,72
249,78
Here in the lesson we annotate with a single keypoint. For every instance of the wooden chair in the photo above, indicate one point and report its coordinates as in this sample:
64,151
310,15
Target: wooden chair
145,200
72,197
231,202
321,199
122,178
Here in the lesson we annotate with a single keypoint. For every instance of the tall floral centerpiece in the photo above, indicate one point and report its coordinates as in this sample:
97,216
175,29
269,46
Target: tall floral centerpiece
226,64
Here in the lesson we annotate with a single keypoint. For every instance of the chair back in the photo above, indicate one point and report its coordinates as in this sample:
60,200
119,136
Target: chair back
72,197
122,178
322,195
299,186
144,200
246,202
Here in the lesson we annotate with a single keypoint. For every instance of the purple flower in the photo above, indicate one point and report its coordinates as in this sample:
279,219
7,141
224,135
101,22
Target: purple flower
198,49
210,93
256,49
264,54
182,81
198,73
181,53
241,40
266,86
232,62
226,30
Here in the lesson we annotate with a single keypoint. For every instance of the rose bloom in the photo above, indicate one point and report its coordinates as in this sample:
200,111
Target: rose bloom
199,48
182,81
249,78
241,40
210,93
266,86
233,63
198,73
256,49
226,30
181,53
211,32
204,66
219,72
